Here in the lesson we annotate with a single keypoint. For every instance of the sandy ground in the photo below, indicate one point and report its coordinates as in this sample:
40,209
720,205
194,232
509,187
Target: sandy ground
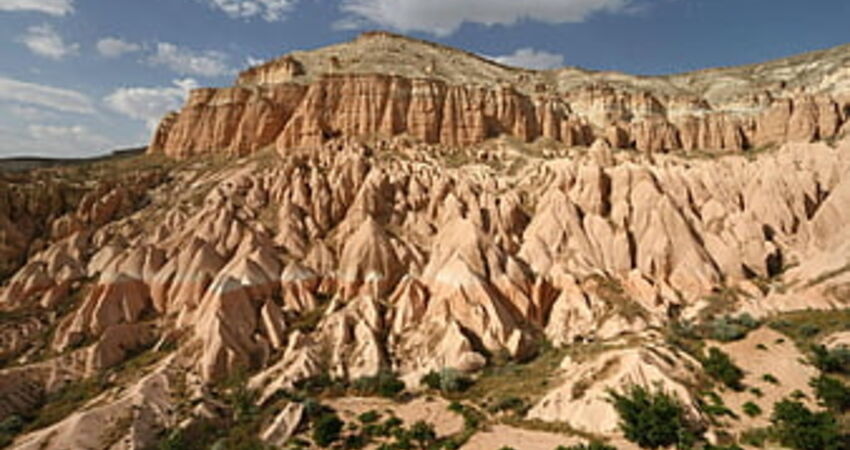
840,339
499,436
434,411
781,359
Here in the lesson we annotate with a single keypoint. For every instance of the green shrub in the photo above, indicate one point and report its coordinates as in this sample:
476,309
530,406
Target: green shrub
799,428
174,440
448,380
355,441
797,394
508,404
326,430
423,433
653,419
751,409
727,328
832,393
724,330
769,378
384,384
371,416
836,360
809,330
719,366
755,437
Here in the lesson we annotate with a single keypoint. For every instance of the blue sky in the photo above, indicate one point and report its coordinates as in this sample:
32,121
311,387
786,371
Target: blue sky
79,77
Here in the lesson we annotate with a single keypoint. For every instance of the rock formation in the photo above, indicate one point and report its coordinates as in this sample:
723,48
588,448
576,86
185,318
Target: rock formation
447,217
307,98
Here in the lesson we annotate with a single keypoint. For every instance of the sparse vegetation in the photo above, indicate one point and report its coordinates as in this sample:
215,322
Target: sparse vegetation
384,384
592,445
447,380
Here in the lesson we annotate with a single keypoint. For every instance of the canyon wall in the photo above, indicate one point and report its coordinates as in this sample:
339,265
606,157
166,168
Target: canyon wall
243,119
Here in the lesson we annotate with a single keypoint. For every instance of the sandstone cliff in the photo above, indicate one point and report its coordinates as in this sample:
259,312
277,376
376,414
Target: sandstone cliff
383,85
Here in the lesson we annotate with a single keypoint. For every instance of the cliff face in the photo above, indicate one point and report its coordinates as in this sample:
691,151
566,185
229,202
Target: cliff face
292,103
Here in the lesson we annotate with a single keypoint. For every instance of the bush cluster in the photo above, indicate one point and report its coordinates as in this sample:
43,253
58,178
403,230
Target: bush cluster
728,328
447,380
832,393
326,429
797,427
836,360
653,419
384,384
719,366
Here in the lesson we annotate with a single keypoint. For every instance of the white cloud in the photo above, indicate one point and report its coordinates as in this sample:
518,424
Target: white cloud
269,10
251,61
189,62
30,113
444,17
150,104
530,58
112,47
43,40
55,141
67,134
45,96
52,7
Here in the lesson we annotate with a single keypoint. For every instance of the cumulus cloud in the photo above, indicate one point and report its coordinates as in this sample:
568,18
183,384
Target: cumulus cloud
530,58
112,47
190,62
269,10
444,17
58,99
52,7
43,40
150,103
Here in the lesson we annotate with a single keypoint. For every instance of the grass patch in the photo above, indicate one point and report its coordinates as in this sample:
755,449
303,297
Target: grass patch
806,328
528,381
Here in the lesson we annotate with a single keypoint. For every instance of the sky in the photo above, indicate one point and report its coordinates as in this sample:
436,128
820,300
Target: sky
83,77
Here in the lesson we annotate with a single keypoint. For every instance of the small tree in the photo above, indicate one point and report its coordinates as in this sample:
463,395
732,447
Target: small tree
653,419
832,393
423,433
326,430
720,367
836,360
799,428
